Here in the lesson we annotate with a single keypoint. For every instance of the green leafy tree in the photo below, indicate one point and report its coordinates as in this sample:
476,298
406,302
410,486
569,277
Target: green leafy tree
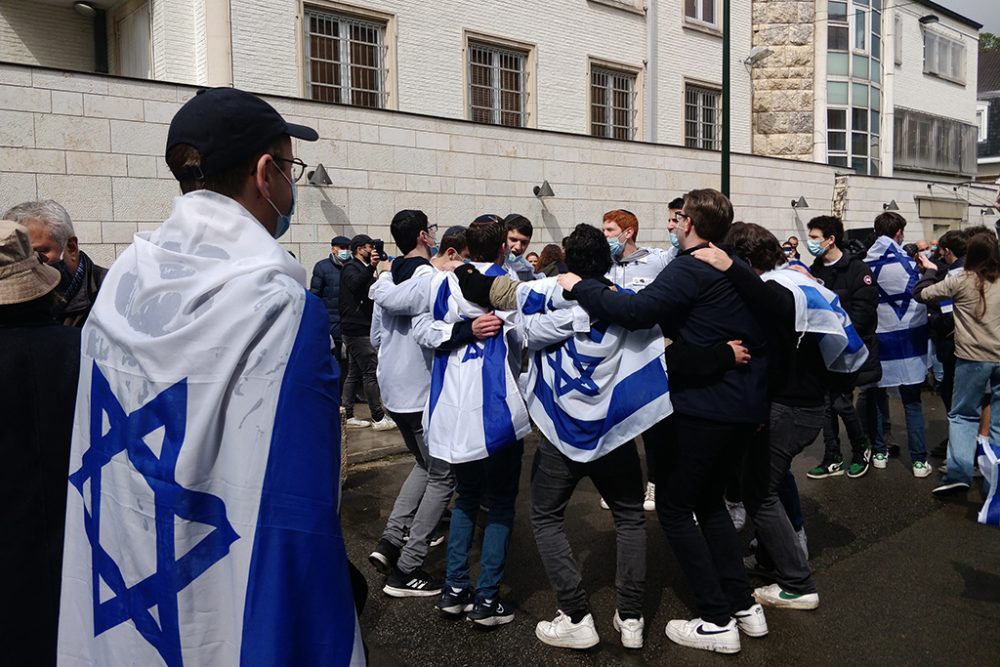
988,41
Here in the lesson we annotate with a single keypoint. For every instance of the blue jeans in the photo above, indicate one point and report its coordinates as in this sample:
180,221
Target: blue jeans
972,379
914,410
492,480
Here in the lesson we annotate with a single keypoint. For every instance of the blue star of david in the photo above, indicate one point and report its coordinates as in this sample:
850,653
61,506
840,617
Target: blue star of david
584,364
125,434
900,302
473,351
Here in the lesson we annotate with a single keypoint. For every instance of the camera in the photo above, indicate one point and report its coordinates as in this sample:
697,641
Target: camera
379,246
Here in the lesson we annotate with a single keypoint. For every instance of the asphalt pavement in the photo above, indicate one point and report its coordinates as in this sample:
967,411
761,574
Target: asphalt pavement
904,578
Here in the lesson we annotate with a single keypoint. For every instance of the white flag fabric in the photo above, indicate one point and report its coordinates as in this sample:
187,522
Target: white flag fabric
591,387
818,312
474,407
202,512
902,322
988,455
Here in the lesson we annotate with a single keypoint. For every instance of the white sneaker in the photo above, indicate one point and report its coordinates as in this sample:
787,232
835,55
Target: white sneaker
738,514
774,596
649,502
564,633
880,460
751,621
604,504
921,469
384,424
697,633
630,629
354,422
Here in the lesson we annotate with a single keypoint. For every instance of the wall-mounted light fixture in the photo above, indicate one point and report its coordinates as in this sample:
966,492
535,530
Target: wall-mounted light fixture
543,190
800,203
757,54
891,206
318,176
929,19
85,9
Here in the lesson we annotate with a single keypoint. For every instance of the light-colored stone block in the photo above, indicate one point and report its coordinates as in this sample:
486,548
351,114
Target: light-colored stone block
368,133
422,183
70,104
87,231
95,164
143,200
104,106
17,129
84,197
16,188
72,133
145,90
159,112
383,180
15,75
102,254
373,157
20,98
438,141
396,136
118,232
77,83
138,138
32,160
141,166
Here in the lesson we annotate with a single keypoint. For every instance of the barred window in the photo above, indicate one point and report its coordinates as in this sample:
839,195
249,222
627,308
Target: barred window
497,85
346,60
702,118
612,103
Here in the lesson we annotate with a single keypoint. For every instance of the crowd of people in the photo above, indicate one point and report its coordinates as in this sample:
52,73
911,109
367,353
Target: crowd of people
197,380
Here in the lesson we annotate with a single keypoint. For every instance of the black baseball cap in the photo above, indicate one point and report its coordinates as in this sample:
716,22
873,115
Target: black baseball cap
341,241
228,125
360,240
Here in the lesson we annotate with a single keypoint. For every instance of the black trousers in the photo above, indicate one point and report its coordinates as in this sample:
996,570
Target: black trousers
693,468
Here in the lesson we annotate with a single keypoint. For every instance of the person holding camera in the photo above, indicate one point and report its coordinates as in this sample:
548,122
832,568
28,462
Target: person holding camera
356,278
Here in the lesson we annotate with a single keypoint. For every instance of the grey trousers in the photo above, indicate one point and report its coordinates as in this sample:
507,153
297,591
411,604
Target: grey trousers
618,478
423,497
769,459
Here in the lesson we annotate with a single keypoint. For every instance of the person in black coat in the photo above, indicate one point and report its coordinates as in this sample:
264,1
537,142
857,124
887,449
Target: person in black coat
326,285
40,359
850,279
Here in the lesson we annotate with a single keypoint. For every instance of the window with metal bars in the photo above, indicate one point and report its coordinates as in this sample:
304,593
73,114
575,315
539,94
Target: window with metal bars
498,92
702,118
612,103
346,59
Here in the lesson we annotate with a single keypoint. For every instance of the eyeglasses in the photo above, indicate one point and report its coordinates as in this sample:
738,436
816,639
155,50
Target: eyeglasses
432,229
681,216
298,167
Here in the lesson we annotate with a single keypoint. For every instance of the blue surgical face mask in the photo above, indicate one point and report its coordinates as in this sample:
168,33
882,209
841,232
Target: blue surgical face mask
434,249
674,241
615,245
511,257
284,219
816,247
343,255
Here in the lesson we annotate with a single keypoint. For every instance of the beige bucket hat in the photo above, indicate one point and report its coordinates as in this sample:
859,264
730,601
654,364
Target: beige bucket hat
23,276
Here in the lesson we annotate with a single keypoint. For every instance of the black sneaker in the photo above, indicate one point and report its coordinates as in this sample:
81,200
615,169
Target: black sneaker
453,603
950,488
384,557
490,612
416,584
941,451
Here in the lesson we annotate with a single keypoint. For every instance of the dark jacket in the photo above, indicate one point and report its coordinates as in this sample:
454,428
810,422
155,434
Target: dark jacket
692,301
41,362
355,305
326,285
81,293
851,280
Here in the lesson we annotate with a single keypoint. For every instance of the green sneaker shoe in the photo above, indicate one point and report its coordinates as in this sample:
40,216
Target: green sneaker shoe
828,468
880,460
859,467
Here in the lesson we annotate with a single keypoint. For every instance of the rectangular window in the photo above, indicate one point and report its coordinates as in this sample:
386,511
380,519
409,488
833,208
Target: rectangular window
897,39
837,38
923,142
837,11
944,57
498,93
612,103
860,29
982,121
346,59
700,11
702,118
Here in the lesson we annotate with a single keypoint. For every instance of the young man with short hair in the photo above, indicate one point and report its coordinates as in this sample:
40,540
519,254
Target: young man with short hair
452,247
519,232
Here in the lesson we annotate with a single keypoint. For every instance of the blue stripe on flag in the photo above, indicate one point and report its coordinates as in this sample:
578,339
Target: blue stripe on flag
498,425
441,301
631,394
816,301
299,609
902,344
534,304
438,369
495,270
854,342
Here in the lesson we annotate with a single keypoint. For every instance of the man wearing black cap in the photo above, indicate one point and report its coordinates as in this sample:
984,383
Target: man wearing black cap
356,308
326,285
206,444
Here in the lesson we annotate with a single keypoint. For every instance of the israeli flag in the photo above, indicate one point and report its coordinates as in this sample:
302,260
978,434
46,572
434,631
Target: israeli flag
590,387
948,305
818,312
202,511
902,322
474,407
988,455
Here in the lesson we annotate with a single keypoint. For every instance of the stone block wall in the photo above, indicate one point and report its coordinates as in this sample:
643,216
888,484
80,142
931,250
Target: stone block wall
783,82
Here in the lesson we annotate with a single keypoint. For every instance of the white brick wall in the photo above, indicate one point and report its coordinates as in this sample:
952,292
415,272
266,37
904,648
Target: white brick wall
41,34
110,174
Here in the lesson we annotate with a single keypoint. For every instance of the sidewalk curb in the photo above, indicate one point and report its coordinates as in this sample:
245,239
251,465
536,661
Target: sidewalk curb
375,454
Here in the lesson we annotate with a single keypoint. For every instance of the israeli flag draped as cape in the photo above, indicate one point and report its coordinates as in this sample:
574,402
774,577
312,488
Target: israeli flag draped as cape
818,312
474,407
988,455
590,387
902,322
202,512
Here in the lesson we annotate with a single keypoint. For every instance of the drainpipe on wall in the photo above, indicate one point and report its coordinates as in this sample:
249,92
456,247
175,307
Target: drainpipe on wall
652,67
